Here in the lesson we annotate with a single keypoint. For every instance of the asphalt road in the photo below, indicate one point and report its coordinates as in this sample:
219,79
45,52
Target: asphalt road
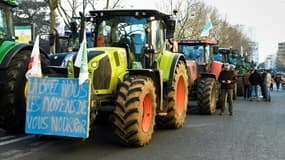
256,131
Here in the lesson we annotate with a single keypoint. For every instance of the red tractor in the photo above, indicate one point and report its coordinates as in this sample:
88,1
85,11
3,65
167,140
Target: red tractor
203,72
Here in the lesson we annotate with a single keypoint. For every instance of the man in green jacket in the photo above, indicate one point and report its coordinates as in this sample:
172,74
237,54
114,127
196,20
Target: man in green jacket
227,79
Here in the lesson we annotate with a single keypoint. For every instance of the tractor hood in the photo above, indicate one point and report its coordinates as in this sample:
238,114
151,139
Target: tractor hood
61,59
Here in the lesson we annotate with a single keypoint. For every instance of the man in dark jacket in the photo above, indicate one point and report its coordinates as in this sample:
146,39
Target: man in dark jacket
246,85
227,79
255,80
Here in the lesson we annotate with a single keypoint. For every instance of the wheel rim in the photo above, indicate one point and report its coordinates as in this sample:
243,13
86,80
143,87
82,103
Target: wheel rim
147,113
213,100
180,96
26,90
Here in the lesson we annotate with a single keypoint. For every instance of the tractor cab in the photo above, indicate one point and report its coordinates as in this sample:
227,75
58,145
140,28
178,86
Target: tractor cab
6,23
199,52
228,56
140,32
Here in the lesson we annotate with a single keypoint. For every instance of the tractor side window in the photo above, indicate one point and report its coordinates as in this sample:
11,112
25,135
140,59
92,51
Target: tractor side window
157,35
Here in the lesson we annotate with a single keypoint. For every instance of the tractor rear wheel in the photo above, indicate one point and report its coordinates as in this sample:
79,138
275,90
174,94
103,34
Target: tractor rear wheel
177,99
207,95
134,114
13,103
13,98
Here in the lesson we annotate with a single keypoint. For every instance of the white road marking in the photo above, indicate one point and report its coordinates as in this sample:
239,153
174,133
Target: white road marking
16,140
6,137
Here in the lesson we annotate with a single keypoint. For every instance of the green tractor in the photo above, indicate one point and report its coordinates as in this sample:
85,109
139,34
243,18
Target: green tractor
14,58
132,74
203,72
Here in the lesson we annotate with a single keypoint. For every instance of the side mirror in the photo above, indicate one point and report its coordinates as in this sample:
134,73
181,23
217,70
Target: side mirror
170,29
215,49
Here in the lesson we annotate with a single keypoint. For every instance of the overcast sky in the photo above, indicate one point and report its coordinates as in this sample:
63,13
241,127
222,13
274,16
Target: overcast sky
266,16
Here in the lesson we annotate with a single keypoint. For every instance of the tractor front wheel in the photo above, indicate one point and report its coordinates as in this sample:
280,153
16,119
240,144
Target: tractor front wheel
134,114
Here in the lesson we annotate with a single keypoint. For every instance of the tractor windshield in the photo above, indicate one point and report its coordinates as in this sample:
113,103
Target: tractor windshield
125,29
5,22
196,53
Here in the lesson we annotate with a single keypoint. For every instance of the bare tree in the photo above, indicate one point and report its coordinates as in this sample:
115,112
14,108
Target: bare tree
69,9
192,16
53,4
32,13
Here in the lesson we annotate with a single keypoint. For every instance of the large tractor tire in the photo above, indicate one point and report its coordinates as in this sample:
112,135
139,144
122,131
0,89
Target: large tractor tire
177,99
13,103
134,114
207,95
13,99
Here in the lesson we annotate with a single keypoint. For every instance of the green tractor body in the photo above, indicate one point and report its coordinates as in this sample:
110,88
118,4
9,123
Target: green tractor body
203,72
14,58
131,73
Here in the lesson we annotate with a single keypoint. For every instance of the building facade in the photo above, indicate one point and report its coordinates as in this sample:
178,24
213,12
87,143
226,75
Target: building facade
250,32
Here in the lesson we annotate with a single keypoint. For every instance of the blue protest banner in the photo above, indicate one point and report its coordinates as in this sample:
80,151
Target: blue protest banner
58,106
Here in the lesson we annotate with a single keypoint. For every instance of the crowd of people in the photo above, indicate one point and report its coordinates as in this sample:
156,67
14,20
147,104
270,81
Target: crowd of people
259,84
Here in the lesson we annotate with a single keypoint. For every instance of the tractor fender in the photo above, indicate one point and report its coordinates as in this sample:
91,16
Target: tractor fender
171,72
216,68
176,58
17,48
156,76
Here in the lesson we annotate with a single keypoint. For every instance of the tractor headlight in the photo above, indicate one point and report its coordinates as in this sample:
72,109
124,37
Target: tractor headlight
94,64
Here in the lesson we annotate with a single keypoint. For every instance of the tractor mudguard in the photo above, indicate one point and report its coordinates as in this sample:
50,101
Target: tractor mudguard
192,71
9,50
5,47
156,77
168,63
216,68
17,48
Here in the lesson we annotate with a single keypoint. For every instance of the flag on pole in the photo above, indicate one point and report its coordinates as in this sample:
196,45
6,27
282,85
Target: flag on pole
81,61
34,68
208,26
241,51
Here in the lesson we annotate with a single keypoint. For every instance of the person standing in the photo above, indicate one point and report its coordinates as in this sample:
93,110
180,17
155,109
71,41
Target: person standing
246,85
267,82
278,81
263,84
255,80
227,79
271,83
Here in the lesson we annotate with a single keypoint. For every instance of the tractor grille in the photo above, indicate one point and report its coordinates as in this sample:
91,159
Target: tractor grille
102,75
90,55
